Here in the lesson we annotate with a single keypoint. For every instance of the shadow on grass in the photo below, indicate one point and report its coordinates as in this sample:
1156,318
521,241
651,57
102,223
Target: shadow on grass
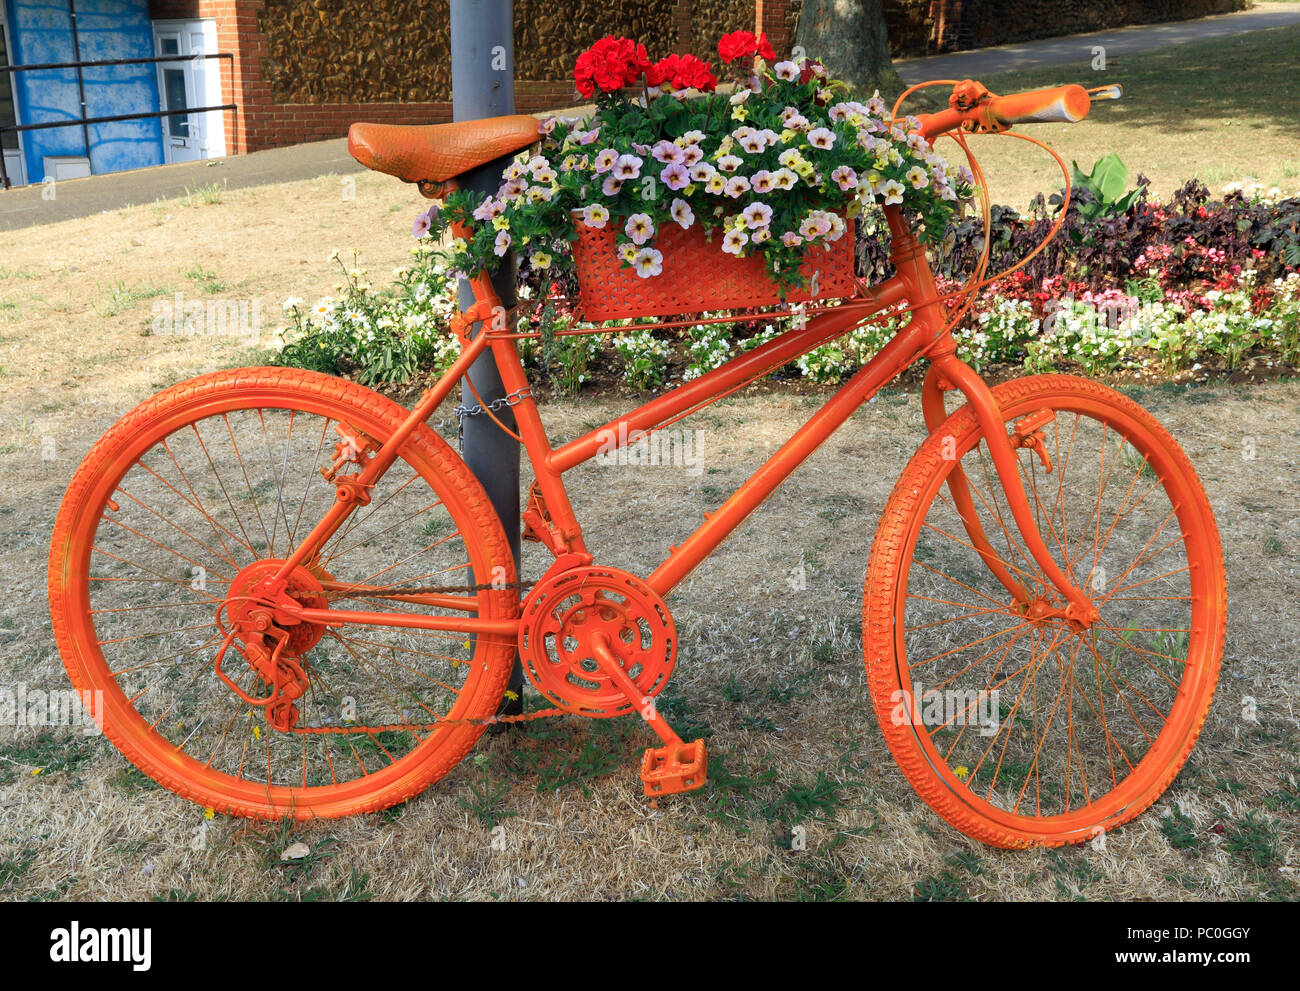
1248,78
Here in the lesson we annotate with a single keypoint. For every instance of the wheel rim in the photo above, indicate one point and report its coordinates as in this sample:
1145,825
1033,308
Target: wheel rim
219,744
1117,716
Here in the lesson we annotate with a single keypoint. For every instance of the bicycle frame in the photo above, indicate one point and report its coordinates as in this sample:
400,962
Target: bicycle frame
926,334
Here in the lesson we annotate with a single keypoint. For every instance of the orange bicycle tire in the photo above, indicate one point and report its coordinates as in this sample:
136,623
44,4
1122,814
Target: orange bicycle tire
951,790
288,390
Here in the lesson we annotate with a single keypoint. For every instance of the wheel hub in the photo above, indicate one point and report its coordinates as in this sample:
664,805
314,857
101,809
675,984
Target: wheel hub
1042,609
272,638
254,591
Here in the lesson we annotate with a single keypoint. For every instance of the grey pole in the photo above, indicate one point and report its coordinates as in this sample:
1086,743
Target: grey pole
482,85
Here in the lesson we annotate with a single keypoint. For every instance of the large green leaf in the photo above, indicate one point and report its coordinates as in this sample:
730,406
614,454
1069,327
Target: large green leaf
1109,178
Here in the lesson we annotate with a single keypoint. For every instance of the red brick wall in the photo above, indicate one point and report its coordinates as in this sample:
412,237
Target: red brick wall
260,122
773,17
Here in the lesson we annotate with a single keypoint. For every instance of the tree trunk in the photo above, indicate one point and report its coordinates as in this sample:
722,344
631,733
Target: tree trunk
850,39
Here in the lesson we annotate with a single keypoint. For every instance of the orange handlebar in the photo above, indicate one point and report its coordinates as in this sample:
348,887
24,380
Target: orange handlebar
973,108
1060,104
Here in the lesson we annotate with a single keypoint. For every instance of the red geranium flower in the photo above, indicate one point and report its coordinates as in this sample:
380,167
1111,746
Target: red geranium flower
740,44
610,64
695,74
681,72
663,71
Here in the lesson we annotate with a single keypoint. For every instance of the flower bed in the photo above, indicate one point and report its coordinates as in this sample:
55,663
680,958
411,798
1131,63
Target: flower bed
1188,245
1216,304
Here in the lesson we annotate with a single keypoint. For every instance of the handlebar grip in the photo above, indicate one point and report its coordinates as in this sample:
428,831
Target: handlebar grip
1060,105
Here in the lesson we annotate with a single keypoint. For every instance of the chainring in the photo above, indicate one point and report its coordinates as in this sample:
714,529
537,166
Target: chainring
560,619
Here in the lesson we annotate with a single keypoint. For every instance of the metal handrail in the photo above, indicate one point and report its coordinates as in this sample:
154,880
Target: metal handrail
38,67
83,121
116,117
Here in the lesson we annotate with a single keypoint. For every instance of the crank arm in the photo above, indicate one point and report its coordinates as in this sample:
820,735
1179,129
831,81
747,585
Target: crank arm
644,703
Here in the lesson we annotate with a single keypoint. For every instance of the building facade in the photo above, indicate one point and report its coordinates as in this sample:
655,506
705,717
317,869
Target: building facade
112,39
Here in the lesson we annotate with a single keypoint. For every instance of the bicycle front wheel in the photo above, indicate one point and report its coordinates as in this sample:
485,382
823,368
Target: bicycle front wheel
1015,725
201,492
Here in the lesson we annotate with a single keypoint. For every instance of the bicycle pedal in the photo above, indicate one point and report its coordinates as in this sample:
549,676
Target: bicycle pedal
674,768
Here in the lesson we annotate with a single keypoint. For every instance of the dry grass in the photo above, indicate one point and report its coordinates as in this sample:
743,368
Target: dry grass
774,676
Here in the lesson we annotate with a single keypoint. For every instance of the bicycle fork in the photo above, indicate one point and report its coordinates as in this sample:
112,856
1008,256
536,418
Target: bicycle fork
947,372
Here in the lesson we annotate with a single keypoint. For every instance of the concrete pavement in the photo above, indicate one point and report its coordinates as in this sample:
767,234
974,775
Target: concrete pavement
24,206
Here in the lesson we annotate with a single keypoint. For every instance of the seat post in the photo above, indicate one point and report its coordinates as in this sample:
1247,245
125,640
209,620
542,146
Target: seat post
482,85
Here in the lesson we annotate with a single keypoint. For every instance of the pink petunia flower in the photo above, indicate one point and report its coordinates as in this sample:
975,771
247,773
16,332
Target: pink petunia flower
666,152
845,178
640,228
734,242
605,159
682,213
702,172
821,137
736,186
757,215
648,262
627,167
675,176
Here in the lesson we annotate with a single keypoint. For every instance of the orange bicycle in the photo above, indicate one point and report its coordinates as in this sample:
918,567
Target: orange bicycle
289,596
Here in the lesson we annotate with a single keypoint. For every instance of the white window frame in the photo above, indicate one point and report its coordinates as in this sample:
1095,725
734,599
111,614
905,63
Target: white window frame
21,178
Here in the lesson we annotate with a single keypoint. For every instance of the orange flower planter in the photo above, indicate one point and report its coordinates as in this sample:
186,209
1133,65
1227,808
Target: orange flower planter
697,275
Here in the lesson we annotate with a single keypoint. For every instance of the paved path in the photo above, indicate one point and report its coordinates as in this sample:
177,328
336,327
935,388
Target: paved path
25,207
1078,47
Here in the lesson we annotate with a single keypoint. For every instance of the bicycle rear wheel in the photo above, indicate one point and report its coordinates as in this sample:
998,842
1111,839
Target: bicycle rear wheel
1016,726
205,488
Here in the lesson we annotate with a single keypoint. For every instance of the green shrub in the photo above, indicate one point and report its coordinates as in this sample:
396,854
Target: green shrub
383,337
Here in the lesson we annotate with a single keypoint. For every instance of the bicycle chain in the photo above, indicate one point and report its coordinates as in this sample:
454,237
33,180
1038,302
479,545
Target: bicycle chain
524,717
429,590
509,399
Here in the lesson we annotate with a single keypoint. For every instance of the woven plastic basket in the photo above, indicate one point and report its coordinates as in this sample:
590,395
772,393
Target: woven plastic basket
696,275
